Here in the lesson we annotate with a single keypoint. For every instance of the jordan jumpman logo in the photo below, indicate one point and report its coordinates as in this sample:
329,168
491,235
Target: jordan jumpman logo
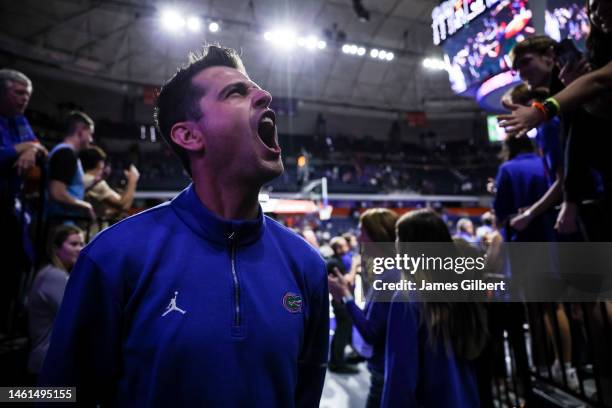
172,306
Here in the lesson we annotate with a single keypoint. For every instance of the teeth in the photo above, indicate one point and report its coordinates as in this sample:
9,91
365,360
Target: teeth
267,120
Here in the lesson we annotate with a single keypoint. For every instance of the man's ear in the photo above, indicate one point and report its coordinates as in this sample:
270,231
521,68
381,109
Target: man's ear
187,135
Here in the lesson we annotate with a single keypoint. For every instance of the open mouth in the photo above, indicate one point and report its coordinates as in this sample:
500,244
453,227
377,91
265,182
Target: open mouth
267,129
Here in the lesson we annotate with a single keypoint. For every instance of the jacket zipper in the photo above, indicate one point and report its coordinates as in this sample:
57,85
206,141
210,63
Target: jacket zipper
235,281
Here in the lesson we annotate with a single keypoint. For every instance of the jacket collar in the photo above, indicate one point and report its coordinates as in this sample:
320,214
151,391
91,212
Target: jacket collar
212,228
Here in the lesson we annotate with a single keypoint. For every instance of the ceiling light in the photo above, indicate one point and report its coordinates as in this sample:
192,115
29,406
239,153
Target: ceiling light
194,24
172,20
213,27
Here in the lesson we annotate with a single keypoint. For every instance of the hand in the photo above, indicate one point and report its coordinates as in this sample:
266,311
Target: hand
338,285
573,70
566,221
89,208
521,221
132,174
521,120
26,160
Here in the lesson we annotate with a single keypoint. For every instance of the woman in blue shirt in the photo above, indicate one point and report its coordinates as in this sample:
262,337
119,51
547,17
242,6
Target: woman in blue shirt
430,346
376,225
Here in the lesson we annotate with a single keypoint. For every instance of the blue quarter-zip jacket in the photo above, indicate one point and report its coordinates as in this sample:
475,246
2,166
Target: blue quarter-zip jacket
177,307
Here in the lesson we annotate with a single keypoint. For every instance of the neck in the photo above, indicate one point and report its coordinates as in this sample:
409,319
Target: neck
70,140
226,199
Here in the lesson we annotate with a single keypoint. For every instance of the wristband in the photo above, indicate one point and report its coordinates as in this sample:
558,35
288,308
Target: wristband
552,106
542,109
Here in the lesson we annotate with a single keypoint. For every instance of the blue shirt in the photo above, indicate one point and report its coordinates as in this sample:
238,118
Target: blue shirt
548,140
417,375
12,131
521,182
177,307
371,322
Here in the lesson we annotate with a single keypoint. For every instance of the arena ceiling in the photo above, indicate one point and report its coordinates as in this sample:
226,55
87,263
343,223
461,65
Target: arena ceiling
122,42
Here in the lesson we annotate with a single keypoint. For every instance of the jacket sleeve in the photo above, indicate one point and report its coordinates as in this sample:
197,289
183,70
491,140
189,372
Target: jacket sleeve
313,359
372,325
504,198
84,348
401,357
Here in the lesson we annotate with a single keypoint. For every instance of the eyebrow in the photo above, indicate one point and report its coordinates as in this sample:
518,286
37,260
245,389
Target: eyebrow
237,84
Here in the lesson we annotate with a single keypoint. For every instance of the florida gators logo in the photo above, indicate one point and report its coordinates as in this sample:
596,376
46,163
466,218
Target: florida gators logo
292,302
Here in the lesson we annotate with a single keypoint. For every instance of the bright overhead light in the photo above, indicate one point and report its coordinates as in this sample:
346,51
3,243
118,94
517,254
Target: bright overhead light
382,54
390,56
346,48
213,27
321,44
283,38
353,49
194,24
361,51
311,42
172,20
373,53
434,64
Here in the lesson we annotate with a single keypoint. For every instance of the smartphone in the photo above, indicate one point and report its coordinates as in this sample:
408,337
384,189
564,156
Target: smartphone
567,52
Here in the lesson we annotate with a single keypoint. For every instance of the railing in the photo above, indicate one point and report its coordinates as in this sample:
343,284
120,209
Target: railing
531,364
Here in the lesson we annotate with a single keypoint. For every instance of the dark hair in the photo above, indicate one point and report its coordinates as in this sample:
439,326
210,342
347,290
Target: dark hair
538,44
379,224
336,243
599,44
461,326
178,98
422,226
59,236
513,146
522,94
74,119
91,156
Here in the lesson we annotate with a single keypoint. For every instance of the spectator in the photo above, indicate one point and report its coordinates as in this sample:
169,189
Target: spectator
465,230
549,143
19,149
587,99
106,202
430,346
66,186
520,182
47,291
487,227
376,225
342,332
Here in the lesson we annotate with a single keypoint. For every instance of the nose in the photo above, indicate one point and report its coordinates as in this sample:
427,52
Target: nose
261,98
